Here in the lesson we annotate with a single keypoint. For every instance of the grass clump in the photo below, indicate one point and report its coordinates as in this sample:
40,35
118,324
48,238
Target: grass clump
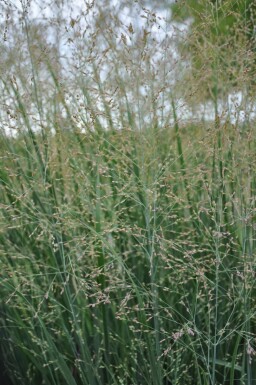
127,240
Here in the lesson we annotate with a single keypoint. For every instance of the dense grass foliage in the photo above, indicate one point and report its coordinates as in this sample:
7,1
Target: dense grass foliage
127,257
127,223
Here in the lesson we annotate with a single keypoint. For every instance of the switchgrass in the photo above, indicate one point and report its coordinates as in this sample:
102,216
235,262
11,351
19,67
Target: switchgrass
127,244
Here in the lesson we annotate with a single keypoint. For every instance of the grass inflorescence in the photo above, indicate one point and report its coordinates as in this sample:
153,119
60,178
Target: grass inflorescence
126,244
